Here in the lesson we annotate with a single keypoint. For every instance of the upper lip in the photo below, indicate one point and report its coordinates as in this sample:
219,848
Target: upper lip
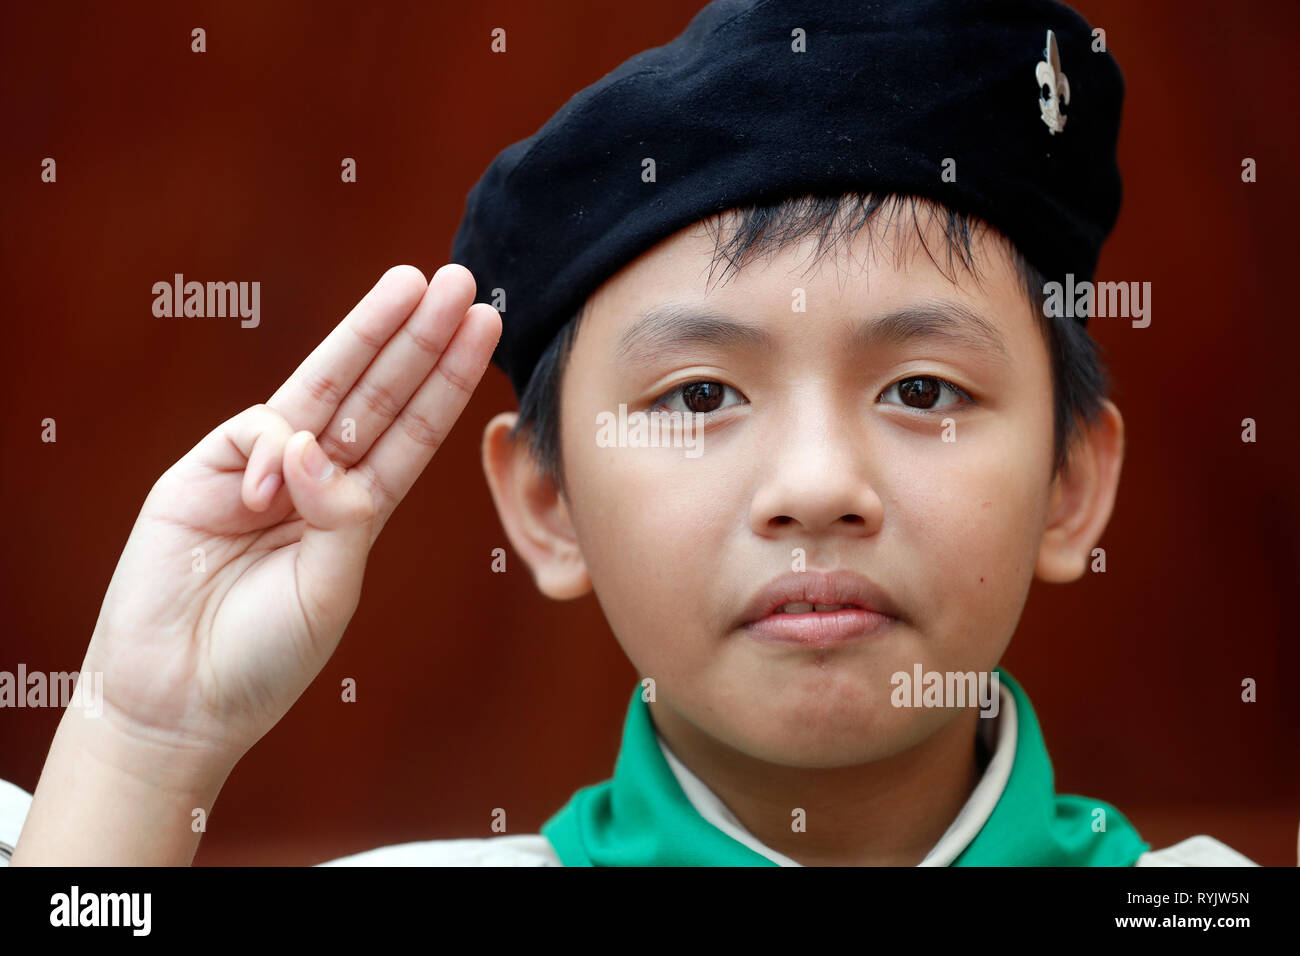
819,587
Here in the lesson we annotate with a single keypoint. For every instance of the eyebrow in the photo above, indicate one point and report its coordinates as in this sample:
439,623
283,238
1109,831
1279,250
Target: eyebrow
675,329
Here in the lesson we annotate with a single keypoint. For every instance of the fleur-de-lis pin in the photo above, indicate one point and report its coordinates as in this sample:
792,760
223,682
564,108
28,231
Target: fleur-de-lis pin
1048,73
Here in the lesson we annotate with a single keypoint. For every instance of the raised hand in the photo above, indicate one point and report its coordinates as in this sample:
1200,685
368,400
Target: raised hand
246,561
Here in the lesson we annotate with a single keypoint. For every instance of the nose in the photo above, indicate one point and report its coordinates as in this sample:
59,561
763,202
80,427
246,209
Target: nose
818,478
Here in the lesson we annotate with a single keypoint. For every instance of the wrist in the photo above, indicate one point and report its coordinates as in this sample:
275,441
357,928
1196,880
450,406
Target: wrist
110,795
159,760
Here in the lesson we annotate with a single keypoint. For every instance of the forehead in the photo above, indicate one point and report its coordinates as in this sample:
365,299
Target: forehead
894,262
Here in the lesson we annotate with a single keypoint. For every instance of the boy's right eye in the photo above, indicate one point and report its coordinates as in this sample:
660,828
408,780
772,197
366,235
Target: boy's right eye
699,397
923,393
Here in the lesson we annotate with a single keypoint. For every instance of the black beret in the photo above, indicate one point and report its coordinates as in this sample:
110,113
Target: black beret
733,112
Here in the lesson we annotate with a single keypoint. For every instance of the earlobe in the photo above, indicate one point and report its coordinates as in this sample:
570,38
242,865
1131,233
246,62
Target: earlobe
1083,498
533,512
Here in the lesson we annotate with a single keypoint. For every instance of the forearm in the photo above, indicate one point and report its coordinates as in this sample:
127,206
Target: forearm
108,799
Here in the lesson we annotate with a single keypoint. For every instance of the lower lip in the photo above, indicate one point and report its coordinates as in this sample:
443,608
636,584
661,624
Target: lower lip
818,628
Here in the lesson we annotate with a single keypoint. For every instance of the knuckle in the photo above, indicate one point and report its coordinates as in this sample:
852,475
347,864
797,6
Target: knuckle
162,485
335,450
267,416
455,379
370,341
378,399
366,510
421,430
322,388
422,342
381,496
253,414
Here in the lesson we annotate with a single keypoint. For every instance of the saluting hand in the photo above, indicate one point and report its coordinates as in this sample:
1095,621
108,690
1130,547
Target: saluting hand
246,561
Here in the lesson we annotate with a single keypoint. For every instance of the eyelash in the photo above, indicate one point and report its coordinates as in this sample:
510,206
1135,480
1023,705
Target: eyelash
943,382
678,389
961,393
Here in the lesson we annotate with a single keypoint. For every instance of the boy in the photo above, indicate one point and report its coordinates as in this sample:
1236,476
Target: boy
810,500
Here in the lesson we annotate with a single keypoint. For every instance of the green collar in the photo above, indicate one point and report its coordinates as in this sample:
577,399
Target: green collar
641,817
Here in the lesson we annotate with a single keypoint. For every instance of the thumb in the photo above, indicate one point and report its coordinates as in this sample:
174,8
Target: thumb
337,508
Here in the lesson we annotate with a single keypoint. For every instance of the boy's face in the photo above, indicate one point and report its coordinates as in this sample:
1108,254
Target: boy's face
810,445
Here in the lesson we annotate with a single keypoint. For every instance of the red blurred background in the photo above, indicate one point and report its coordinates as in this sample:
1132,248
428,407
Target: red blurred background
474,691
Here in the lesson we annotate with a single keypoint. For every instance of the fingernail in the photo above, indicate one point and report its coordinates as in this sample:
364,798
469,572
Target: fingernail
268,486
316,463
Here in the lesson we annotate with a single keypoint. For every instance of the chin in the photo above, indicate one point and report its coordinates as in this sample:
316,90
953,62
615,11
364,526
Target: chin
822,753
827,731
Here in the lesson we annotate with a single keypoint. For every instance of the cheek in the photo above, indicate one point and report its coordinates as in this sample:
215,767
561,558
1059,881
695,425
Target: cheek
652,528
970,522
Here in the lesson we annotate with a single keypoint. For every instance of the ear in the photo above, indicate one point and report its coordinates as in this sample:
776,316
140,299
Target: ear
533,512
1083,496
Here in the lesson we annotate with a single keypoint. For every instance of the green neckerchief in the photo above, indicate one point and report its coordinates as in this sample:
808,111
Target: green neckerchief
641,817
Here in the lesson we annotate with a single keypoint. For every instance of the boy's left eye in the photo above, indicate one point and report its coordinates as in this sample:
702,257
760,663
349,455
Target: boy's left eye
700,397
924,393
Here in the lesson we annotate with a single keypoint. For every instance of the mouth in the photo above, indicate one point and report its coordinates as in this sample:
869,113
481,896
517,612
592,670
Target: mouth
818,610
803,607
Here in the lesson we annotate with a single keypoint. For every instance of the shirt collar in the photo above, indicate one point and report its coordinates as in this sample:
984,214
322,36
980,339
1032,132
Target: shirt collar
642,816
999,736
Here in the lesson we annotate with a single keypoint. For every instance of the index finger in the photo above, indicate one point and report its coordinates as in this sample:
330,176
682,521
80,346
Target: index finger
311,395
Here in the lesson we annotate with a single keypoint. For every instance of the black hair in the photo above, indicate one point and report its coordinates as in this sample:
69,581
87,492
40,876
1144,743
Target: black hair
1079,380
